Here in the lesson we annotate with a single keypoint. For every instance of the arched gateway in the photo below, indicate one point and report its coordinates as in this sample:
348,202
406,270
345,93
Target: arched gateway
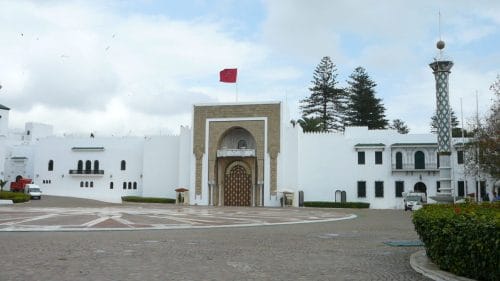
236,148
236,163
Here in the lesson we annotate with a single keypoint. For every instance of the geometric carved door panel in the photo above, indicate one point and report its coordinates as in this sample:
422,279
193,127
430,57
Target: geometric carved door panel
237,187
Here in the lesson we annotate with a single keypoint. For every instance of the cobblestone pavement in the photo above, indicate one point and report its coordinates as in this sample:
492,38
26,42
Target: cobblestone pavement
339,250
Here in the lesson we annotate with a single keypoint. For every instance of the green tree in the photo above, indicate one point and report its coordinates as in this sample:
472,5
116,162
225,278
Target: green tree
400,126
363,108
326,100
310,124
2,184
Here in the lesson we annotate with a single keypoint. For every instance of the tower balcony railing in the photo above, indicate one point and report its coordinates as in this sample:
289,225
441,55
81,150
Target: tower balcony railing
86,172
429,167
241,152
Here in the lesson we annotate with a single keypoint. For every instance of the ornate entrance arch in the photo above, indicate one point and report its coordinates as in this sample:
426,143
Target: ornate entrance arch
238,184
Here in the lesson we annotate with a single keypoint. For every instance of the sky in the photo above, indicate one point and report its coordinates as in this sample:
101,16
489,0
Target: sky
137,67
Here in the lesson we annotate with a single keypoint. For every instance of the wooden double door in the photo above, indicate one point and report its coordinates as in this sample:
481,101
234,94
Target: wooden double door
237,186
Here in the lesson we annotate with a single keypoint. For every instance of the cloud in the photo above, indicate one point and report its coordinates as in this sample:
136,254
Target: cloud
78,58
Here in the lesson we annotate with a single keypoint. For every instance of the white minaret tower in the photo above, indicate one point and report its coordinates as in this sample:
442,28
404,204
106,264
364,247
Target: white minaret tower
441,69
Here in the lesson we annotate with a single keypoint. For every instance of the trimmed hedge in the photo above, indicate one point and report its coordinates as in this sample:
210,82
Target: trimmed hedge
326,204
148,199
16,197
463,239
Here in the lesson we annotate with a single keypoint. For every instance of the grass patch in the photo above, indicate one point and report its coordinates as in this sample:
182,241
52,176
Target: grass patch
148,199
16,197
326,204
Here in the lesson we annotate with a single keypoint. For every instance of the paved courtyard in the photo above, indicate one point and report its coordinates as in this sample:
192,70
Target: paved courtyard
254,244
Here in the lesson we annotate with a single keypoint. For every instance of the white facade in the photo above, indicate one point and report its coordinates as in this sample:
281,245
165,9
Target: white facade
322,165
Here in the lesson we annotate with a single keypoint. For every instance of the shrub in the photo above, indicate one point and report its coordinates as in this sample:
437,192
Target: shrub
148,199
463,238
16,197
326,204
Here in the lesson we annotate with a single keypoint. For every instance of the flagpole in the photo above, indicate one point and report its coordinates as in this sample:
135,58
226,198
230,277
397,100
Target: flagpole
236,85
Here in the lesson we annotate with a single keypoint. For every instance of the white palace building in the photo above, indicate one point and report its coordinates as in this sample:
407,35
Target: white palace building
241,154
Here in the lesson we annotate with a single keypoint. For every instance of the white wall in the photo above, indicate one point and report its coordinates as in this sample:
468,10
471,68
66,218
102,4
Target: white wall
328,162
61,182
161,166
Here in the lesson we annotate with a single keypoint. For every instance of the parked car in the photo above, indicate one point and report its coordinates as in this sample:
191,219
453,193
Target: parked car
413,200
34,191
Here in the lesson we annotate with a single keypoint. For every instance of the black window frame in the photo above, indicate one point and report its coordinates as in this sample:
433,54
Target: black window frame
460,156
399,160
461,188
379,189
361,189
420,164
399,188
378,157
361,158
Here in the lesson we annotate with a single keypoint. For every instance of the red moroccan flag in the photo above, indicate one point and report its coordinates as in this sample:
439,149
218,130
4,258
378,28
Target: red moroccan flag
228,75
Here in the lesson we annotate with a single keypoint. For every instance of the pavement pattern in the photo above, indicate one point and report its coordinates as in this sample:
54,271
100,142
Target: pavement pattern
337,250
141,218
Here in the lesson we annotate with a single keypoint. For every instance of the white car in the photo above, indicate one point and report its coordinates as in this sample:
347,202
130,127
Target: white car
34,191
413,202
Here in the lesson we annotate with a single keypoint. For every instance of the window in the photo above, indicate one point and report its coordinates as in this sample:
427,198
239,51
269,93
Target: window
81,184
400,188
80,166
129,185
461,188
43,181
111,185
96,165
399,160
51,165
91,184
379,189
123,165
378,157
438,186
88,166
361,189
242,144
361,157
135,185
86,184
460,156
437,160
124,185
419,160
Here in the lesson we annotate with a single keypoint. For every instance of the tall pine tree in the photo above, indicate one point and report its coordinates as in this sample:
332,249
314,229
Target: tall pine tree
363,108
326,100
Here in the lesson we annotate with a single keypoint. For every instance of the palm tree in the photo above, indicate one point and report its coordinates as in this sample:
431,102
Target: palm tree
313,124
2,184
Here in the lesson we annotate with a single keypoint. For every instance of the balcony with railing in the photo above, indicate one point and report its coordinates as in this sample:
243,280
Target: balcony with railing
411,167
239,152
86,172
